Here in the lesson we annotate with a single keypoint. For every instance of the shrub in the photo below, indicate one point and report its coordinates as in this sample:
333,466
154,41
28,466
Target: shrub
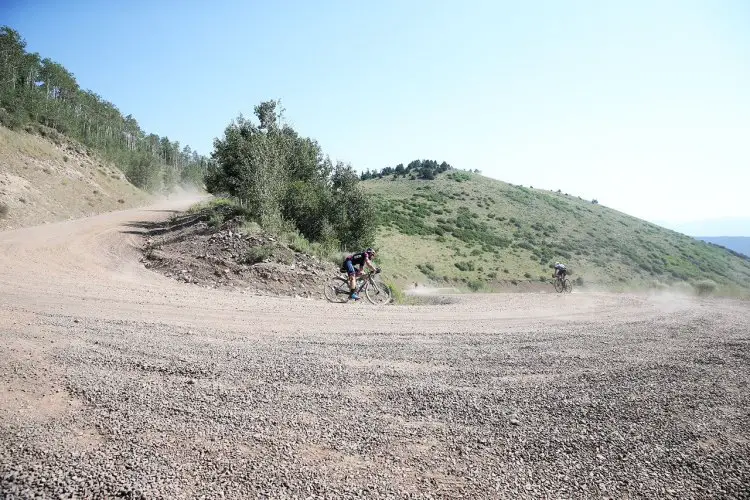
12,121
474,285
269,251
397,294
704,287
527,275
464,265
259,254
215,220
579,281
3,210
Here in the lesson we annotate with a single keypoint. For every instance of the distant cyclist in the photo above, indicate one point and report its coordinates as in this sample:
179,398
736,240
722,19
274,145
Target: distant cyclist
560,270
362,259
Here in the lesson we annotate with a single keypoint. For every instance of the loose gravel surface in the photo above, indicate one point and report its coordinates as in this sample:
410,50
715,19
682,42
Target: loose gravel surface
116,381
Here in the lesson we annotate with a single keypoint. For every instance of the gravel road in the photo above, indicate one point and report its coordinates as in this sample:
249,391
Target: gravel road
116,381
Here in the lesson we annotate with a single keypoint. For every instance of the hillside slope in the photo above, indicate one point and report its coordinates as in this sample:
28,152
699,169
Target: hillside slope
52,178
740,244
468,230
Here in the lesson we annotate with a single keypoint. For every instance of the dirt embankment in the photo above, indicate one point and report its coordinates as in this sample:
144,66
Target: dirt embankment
187,249
49,179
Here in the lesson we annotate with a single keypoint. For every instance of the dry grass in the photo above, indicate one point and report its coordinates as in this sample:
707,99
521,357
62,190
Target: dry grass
41,181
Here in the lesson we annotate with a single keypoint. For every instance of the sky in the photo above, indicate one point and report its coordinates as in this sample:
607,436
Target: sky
643,105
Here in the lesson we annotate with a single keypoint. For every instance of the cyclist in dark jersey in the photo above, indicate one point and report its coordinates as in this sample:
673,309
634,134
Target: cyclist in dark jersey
362,259
560,270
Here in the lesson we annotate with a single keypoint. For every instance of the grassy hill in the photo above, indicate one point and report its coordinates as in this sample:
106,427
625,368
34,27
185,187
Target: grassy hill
47,178
463,229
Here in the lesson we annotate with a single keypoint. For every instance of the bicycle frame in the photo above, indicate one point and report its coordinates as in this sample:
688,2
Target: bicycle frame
362,286
365,279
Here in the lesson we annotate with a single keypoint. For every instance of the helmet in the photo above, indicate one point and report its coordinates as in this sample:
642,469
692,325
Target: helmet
557,263
370,251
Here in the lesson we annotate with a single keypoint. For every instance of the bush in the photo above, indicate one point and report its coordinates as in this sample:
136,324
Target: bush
579,281
474,285
269,251
3,210
464,265
704,287
259,254
398,295
11,121
280,175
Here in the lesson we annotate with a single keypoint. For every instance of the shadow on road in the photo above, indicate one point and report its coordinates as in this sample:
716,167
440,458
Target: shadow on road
153,228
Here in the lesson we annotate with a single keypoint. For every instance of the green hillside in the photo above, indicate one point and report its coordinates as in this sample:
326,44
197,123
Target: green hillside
464,229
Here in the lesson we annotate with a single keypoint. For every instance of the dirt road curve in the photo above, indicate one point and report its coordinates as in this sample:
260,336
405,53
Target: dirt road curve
116,381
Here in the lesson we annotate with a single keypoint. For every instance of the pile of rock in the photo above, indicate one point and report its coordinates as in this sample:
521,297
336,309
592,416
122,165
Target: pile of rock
229,258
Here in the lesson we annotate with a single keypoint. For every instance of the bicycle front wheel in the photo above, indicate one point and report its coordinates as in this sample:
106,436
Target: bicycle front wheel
568,286
378,293
559,286
337,290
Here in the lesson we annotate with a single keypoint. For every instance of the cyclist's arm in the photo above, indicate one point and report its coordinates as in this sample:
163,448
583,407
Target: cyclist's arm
370,266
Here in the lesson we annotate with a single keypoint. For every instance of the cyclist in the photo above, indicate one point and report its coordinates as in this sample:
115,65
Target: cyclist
560,270
362,259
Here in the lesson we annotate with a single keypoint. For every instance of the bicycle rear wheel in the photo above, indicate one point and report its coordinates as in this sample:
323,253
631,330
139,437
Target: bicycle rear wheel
567,286
378,293
337,290
559,285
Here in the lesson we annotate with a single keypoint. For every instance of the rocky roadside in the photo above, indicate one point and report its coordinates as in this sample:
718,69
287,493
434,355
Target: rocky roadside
226,257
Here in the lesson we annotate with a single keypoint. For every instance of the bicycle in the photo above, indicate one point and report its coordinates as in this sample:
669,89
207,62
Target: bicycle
377,292
562,285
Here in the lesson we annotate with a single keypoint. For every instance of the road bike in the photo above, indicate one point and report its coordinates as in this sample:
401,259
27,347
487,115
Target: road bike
377,292
562,285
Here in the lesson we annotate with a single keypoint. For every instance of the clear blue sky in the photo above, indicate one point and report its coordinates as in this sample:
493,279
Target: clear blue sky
644,105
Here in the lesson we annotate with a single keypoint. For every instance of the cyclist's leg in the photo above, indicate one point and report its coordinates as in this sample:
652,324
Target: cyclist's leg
352,278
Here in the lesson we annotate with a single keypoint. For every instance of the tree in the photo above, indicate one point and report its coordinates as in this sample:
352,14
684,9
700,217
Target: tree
282,178
40,90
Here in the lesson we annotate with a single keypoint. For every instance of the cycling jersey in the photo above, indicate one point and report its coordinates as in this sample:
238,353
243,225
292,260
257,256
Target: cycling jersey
358,259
